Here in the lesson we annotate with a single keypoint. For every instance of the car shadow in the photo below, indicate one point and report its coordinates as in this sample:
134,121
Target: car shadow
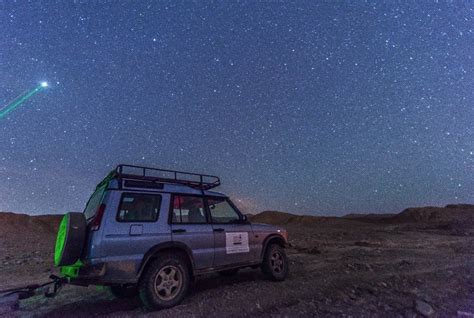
88,308
101,304
213,281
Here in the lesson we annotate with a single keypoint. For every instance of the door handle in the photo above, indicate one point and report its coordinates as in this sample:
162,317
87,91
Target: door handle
218,230
179,231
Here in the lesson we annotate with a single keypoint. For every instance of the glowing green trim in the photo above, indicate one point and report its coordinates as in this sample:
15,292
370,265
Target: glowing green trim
61,240
71,271
19,100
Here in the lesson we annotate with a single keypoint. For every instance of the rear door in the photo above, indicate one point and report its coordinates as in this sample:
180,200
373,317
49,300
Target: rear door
133,225
190,226
232,236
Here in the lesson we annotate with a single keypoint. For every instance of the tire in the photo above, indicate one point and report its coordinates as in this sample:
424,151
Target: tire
124,291
164,282
275,263
70,239
229,272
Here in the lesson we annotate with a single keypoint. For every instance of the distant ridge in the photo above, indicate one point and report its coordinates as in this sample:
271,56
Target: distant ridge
273,217
451,213
458,215
369,215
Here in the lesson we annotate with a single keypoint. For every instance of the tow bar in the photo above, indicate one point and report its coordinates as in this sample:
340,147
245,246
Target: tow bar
9,298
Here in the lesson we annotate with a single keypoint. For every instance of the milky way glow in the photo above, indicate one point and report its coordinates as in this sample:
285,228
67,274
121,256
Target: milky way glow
21,99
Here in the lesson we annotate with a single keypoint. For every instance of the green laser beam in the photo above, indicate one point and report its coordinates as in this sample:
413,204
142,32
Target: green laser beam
20,100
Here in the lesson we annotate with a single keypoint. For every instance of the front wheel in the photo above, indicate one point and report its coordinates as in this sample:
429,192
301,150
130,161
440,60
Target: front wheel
275,263
165,282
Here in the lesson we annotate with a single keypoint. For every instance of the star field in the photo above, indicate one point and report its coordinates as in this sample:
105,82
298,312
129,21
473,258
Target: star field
318,108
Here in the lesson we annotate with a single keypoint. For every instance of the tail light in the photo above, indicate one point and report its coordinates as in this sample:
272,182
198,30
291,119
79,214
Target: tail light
95,224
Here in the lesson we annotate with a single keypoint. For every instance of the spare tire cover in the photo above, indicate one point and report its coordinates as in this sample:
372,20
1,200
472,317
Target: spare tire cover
70,239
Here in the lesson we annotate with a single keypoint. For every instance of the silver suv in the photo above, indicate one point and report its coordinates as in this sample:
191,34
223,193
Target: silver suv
149,232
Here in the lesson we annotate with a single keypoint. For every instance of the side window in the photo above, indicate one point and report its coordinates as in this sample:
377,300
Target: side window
188,209
222,211
137,207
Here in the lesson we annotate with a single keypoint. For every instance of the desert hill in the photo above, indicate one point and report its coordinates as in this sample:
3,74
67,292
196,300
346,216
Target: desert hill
15,222
452,214
26,245
369,215
274,217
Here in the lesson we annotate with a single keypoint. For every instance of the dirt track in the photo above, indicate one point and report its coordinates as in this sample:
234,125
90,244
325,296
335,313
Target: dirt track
339,267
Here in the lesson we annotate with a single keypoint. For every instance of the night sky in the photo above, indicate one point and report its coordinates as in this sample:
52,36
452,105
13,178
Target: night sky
307,108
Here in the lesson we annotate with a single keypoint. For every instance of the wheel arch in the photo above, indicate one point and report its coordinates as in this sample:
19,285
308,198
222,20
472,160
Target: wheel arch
176,247
270,239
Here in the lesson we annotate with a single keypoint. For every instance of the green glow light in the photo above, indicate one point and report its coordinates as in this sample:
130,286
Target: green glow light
21,99
61,239
71,271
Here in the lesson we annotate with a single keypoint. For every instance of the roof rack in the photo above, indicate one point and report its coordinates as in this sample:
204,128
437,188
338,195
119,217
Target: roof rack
194,180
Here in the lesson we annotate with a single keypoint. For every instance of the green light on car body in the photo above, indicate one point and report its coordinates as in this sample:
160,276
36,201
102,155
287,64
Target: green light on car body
60,240
71,271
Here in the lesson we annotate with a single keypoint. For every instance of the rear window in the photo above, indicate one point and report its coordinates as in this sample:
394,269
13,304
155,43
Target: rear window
139,207
94,202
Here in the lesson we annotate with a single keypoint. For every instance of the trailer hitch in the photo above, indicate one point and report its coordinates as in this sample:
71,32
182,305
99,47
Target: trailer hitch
58,283
9,298
31,290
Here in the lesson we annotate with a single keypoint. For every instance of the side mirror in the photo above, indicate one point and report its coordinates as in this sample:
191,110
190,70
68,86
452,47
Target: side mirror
244,218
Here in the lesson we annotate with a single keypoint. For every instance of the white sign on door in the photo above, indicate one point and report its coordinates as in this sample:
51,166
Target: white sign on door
237,242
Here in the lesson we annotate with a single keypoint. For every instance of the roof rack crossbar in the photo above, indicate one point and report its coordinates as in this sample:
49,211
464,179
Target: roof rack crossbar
184,177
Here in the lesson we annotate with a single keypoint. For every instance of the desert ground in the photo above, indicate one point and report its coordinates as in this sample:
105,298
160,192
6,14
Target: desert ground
417,263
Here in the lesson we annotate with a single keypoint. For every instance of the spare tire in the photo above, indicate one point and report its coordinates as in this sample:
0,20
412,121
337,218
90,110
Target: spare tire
70,239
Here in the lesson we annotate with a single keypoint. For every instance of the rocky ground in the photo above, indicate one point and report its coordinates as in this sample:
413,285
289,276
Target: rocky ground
417,263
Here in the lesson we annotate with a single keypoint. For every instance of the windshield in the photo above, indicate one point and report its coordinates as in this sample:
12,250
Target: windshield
94,202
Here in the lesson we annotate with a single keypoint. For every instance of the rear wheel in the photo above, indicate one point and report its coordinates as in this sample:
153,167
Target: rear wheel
164,282
124,291
275,263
